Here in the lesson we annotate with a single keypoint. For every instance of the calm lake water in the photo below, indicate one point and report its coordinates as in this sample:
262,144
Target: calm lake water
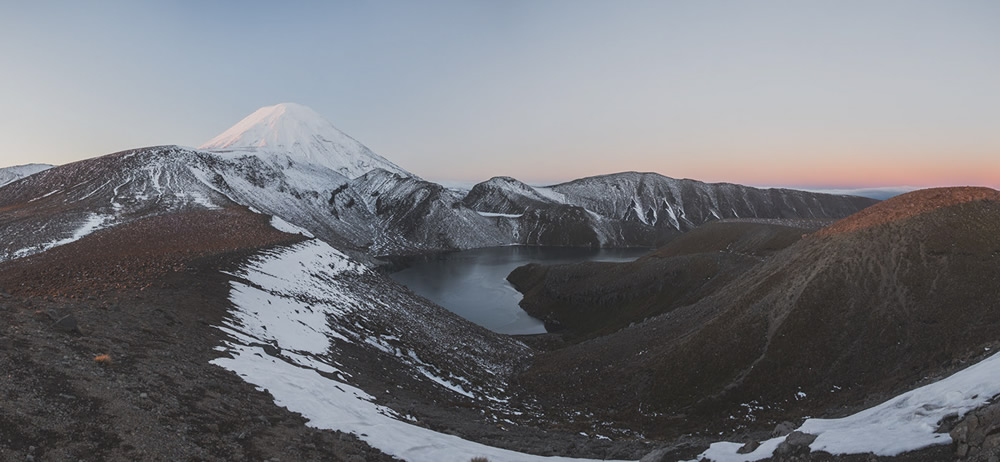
473,283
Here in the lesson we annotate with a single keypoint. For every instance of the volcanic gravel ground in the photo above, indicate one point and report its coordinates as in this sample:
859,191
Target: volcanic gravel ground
147,294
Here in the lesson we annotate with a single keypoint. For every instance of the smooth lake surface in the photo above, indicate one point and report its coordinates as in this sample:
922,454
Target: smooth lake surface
473,283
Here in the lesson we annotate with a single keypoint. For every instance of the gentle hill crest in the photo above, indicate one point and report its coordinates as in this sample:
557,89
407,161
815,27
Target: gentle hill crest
909,205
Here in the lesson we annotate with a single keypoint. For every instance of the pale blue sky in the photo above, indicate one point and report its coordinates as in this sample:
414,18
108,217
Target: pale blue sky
835,93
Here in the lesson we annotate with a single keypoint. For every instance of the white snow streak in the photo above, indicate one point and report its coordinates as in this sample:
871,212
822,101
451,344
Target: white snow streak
92,223
505,215
284,226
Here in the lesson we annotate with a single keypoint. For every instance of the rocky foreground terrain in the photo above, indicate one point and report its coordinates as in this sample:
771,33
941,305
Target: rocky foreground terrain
106,346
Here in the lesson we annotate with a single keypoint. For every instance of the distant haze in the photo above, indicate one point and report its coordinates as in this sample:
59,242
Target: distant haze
821,95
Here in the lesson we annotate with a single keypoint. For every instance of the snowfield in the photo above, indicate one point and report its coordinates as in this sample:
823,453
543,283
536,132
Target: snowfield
290,306
331,404
902,424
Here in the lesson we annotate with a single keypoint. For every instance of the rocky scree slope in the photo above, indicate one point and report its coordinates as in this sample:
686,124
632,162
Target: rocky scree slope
147,293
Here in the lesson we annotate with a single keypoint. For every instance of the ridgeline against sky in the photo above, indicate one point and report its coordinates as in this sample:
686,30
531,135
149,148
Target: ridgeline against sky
809,94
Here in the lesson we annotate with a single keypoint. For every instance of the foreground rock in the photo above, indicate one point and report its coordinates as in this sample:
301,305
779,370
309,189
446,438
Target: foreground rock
977,435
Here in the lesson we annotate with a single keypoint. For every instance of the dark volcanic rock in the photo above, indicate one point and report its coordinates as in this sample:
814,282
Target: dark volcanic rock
796,443
749,447
67,324
783,429
976,437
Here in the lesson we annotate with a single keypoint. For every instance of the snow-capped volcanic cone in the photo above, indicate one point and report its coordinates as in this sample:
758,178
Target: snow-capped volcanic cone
304,136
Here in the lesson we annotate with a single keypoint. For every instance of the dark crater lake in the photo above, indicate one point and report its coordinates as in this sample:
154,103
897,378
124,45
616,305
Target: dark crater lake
473,283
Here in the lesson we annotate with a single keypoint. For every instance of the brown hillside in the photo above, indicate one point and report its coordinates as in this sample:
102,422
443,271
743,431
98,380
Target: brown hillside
908,205
844,318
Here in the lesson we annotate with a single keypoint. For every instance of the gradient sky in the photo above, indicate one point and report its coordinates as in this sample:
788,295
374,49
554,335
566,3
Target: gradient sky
791,93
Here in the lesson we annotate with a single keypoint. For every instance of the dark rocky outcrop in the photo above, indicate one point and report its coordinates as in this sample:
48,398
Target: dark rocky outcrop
976,437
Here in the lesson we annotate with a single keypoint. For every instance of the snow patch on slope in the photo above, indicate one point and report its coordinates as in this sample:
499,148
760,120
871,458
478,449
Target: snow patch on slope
290,306
92,223
286,227
504,215
902,424
549,194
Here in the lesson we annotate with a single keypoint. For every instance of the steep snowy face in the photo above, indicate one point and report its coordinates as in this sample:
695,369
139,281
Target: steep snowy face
659,201
302,135
412,214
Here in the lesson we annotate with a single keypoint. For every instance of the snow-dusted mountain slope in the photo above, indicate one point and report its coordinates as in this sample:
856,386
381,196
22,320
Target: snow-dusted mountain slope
506,195
656,200
304,195
382,212
629,209
63,204
305,315
291,132
378,213
11,174
416,215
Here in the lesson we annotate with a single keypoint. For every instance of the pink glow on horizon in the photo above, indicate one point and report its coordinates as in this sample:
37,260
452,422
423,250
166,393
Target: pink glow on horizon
830,168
